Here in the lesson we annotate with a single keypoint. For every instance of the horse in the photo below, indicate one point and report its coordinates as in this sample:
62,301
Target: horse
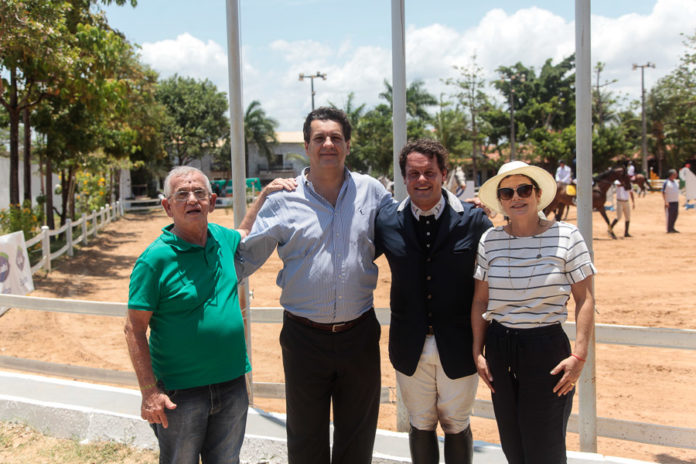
602,182
643,184
388,183
561,202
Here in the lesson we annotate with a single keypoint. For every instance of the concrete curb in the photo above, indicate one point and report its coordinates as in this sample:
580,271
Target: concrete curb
89,412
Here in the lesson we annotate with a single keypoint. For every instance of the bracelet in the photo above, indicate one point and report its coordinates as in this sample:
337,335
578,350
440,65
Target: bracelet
577,357
147,387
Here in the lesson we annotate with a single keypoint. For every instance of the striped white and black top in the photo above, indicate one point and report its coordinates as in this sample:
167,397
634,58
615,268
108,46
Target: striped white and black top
529,278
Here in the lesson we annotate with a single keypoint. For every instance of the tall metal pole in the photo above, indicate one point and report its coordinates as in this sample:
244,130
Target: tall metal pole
644,142
399,140
583,141
398,92
512,122
311,77
513,78
234,69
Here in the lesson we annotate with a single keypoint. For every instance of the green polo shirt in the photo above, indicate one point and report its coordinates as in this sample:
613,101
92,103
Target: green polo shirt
196,329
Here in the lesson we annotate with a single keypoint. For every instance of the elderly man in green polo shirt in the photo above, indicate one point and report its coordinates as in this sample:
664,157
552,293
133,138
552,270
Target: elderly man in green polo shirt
184,288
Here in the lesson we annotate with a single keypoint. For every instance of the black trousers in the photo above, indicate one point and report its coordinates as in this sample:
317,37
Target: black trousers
531,418
322,368
672,213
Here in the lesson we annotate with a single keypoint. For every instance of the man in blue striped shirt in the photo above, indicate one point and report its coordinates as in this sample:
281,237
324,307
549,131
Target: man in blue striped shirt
324,233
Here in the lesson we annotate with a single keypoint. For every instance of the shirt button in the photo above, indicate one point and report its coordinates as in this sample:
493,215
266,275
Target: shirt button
340,297
427,260
427,233
430,297
429,277
427,245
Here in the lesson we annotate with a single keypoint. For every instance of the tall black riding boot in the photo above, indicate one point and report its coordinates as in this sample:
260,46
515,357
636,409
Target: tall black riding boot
613,223
626,234
459,447
423,445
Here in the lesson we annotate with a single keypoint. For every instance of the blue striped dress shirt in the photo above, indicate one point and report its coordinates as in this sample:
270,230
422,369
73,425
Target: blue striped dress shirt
328,272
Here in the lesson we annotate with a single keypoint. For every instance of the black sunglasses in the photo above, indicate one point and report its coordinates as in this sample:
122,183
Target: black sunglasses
523,191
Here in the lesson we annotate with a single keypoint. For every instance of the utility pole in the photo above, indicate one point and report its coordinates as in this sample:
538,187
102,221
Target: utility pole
513,78
644,143
311,77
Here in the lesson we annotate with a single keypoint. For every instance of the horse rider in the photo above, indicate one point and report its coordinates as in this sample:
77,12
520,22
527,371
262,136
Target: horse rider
631,171
564,175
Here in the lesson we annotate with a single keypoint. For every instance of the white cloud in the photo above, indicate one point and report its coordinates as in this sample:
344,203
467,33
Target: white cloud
530,35
188,56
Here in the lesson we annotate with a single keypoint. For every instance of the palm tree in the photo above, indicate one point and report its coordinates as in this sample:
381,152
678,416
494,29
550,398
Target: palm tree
417,99
353,112
259,129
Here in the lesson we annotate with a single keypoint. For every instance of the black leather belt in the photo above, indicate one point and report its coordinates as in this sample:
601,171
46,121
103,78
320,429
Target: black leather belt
332,327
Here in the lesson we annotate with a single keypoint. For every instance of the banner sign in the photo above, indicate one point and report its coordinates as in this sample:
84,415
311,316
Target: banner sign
15,270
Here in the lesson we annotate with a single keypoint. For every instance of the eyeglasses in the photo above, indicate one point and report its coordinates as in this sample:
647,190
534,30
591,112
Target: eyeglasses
181,196
523,191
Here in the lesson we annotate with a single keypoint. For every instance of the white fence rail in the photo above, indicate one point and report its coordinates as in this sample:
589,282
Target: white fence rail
97,219
146,204
609,334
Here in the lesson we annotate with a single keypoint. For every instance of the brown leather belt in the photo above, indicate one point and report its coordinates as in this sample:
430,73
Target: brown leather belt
334,327
430,330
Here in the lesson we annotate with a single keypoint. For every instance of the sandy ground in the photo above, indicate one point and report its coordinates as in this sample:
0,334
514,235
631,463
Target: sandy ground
647,280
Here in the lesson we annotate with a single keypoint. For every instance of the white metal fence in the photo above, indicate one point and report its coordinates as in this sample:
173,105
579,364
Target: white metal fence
87,225
609,334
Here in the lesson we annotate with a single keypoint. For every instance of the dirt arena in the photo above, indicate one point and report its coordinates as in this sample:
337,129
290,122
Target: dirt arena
647,280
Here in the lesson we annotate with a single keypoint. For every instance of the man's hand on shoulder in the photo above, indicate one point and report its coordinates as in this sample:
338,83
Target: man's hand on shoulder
477,204
275,185
280,183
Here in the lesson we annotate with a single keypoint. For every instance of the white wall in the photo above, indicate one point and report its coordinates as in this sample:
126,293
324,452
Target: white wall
35,183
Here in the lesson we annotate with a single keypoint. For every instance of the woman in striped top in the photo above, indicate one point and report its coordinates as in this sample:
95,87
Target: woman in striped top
525,273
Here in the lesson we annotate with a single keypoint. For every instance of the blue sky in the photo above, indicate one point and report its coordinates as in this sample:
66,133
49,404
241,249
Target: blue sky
351,42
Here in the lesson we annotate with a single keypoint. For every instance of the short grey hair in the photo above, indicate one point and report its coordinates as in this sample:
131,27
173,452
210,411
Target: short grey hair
181,171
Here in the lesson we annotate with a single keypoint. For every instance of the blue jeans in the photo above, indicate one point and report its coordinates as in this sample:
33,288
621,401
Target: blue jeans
208,421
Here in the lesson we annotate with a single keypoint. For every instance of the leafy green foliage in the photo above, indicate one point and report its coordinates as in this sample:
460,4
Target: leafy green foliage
671,109
197,119
259,129
22,217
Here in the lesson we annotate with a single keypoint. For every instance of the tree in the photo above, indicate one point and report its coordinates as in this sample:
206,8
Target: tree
608,135
371,144
417,100
197,117
471,97
602,100
260,130
452,130
36,49
544,105
92,110
671,111
372,140
353,112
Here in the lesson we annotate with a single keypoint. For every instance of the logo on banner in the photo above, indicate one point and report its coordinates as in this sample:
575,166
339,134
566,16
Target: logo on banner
4,267
15,272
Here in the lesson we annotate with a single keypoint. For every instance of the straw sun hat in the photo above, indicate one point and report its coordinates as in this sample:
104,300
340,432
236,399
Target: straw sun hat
488,193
